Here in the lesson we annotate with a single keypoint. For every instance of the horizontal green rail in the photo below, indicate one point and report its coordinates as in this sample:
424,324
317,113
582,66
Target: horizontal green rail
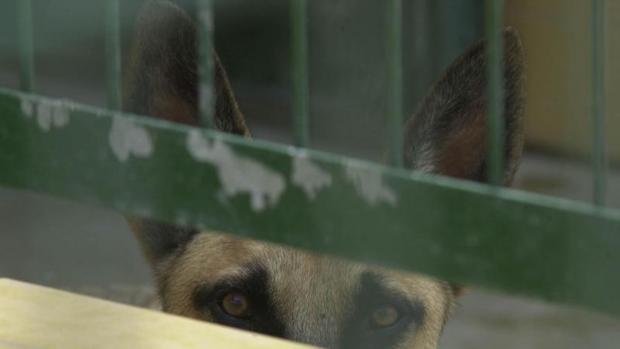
526,244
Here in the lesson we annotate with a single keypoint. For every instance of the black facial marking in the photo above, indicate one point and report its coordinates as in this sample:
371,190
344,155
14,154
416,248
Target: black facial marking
254,284
358,331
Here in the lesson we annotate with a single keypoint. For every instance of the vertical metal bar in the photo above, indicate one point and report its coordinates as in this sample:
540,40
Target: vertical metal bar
26,45
206,66
599,156
395,80
421,51
495,77
299,64
113,54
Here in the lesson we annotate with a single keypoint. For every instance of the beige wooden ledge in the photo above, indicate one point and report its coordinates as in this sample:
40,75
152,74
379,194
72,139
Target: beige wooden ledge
35,317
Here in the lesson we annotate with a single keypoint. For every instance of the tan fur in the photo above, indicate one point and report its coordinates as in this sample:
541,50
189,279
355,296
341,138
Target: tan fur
313,292
313,297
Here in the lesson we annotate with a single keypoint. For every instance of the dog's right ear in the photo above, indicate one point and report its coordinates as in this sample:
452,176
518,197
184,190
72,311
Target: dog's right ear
448,133
162,71
162,82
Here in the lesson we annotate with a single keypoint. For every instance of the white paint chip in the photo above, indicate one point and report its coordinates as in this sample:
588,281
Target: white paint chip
369,184
49,114
44,115
128,139
27,107
61,115
237,174
309,176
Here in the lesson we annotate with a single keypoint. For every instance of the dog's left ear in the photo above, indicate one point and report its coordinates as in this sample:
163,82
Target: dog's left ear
162,82
162,72
448,133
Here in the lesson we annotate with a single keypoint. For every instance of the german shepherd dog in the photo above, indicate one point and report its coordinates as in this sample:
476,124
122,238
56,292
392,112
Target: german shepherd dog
279,291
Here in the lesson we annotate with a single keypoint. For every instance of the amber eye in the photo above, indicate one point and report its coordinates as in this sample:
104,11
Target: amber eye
384,316
235,304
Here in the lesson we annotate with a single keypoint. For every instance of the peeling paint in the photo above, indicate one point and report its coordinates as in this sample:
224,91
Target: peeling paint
128,139
369,184
49,114
44,115
309,176
27,107
52,114
238,174
61,114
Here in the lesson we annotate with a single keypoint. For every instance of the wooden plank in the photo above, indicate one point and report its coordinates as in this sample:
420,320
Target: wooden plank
39,317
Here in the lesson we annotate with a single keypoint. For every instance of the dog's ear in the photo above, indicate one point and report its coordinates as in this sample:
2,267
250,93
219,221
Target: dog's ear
162,82
162,73
448,133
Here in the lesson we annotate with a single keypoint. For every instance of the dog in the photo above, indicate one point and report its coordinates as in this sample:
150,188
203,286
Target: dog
283,292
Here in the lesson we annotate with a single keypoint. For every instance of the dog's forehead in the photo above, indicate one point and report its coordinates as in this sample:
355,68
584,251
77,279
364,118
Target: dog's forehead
301,280
212,257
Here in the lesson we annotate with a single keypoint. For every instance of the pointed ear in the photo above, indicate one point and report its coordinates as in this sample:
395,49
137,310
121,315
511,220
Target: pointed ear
448,133
162,72
162,82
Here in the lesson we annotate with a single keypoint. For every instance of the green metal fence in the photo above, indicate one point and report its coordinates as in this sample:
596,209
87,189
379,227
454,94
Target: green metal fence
516,242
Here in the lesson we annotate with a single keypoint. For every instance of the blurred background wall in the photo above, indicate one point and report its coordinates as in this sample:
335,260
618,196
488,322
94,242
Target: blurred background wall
556,35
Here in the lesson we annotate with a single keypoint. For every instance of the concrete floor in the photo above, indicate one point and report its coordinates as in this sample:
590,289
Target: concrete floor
490,321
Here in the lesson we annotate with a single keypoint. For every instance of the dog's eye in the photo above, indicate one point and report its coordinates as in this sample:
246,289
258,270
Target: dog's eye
384,316
235,304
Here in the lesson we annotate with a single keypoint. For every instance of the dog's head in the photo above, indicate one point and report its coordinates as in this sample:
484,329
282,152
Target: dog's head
288,293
